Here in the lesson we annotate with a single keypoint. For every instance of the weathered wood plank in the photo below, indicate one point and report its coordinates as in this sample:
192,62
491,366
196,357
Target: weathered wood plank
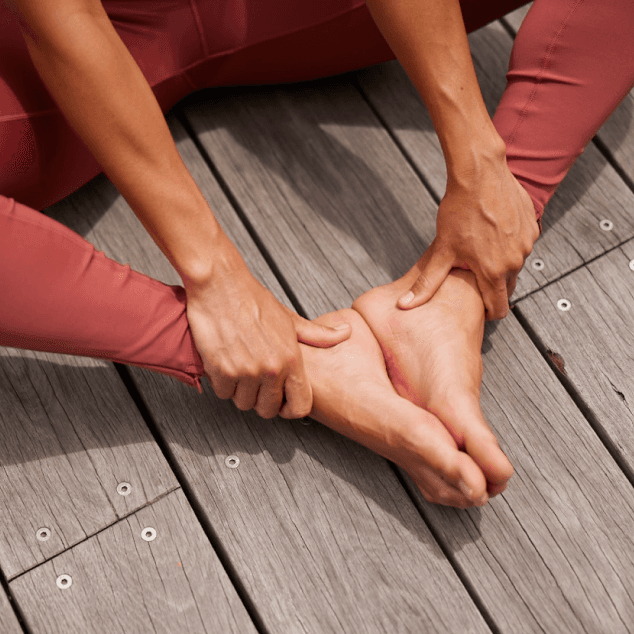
291,153
540,557
319,529
591,191
8,622
592,342
70,433
123,583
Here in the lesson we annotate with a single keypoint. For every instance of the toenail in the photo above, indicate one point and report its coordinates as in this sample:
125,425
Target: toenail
465,489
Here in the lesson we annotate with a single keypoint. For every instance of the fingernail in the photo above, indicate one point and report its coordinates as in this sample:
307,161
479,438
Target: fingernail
465,489
406,299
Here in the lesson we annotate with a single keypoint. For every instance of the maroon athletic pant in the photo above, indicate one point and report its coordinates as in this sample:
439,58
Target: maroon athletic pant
572,64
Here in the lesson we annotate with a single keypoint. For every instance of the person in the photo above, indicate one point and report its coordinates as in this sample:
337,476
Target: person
85,85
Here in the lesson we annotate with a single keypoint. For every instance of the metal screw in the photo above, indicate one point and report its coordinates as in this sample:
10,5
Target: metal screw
124,488
43,534
632,264
232,462
148,534
538,265
606,225
564,305
64,581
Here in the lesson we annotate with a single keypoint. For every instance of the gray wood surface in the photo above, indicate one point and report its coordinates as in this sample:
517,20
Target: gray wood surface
551,554
591,191
320,531
8,622
593,342
70,433
122,583
617,133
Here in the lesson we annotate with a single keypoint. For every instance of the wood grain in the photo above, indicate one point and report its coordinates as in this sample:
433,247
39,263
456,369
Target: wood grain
122,583
591,191
8,622
320,531
594,340
546,556
70,433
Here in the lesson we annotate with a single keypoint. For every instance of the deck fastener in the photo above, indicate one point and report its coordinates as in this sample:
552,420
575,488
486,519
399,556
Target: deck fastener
632,264
538,265
64,581
232,462
43,534
148,534
124,488
606,225
564,305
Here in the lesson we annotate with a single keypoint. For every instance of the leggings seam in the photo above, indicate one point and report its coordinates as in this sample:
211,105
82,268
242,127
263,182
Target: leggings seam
540,75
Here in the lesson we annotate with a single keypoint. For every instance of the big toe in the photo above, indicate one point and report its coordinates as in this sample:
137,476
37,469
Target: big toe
468,426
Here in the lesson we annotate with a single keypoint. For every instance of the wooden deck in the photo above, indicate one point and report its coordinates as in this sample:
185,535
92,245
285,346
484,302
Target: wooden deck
330,188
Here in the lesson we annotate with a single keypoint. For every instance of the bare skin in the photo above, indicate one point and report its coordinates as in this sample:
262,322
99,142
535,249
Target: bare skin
433,358
353,395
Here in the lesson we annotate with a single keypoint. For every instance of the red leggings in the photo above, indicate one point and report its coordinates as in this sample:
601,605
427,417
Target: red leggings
572,64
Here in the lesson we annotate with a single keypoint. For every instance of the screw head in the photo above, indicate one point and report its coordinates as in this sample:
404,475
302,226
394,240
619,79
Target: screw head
43,534
64,581
148,534
632,265
564,305
232,462
124,488
538,265
606,225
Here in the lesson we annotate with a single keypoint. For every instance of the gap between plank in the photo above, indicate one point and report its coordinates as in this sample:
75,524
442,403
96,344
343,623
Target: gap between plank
190,495
17,610
574,393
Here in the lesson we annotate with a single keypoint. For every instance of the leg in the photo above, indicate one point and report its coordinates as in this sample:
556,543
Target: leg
433,359
353,395
60,294
572,64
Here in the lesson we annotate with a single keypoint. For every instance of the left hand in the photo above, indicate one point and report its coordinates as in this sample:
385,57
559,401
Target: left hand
486,223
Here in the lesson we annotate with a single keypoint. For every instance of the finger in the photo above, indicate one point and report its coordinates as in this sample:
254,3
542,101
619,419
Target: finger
511,282
495,298
223,386
246,393
318,335
270,398
432,274
299,395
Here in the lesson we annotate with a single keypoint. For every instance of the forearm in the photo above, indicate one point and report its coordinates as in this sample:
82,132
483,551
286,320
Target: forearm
430,41
106,99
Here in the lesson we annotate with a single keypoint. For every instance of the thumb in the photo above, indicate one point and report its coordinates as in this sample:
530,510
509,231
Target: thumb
320,336
432,274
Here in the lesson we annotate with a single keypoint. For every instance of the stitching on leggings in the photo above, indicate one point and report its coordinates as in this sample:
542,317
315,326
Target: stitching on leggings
199,26
545,62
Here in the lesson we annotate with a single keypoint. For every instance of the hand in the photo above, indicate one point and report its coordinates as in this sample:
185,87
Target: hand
248,342
486,223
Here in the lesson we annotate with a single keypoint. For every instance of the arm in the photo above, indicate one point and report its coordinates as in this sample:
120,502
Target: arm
486,221
246,338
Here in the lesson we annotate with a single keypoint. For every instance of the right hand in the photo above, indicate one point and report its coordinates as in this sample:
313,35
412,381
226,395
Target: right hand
248,342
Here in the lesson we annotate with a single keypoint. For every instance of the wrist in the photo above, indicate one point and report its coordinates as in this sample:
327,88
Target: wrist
474,155
220,259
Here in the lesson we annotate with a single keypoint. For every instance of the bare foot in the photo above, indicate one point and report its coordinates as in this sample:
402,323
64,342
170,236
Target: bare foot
433,357
352,394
